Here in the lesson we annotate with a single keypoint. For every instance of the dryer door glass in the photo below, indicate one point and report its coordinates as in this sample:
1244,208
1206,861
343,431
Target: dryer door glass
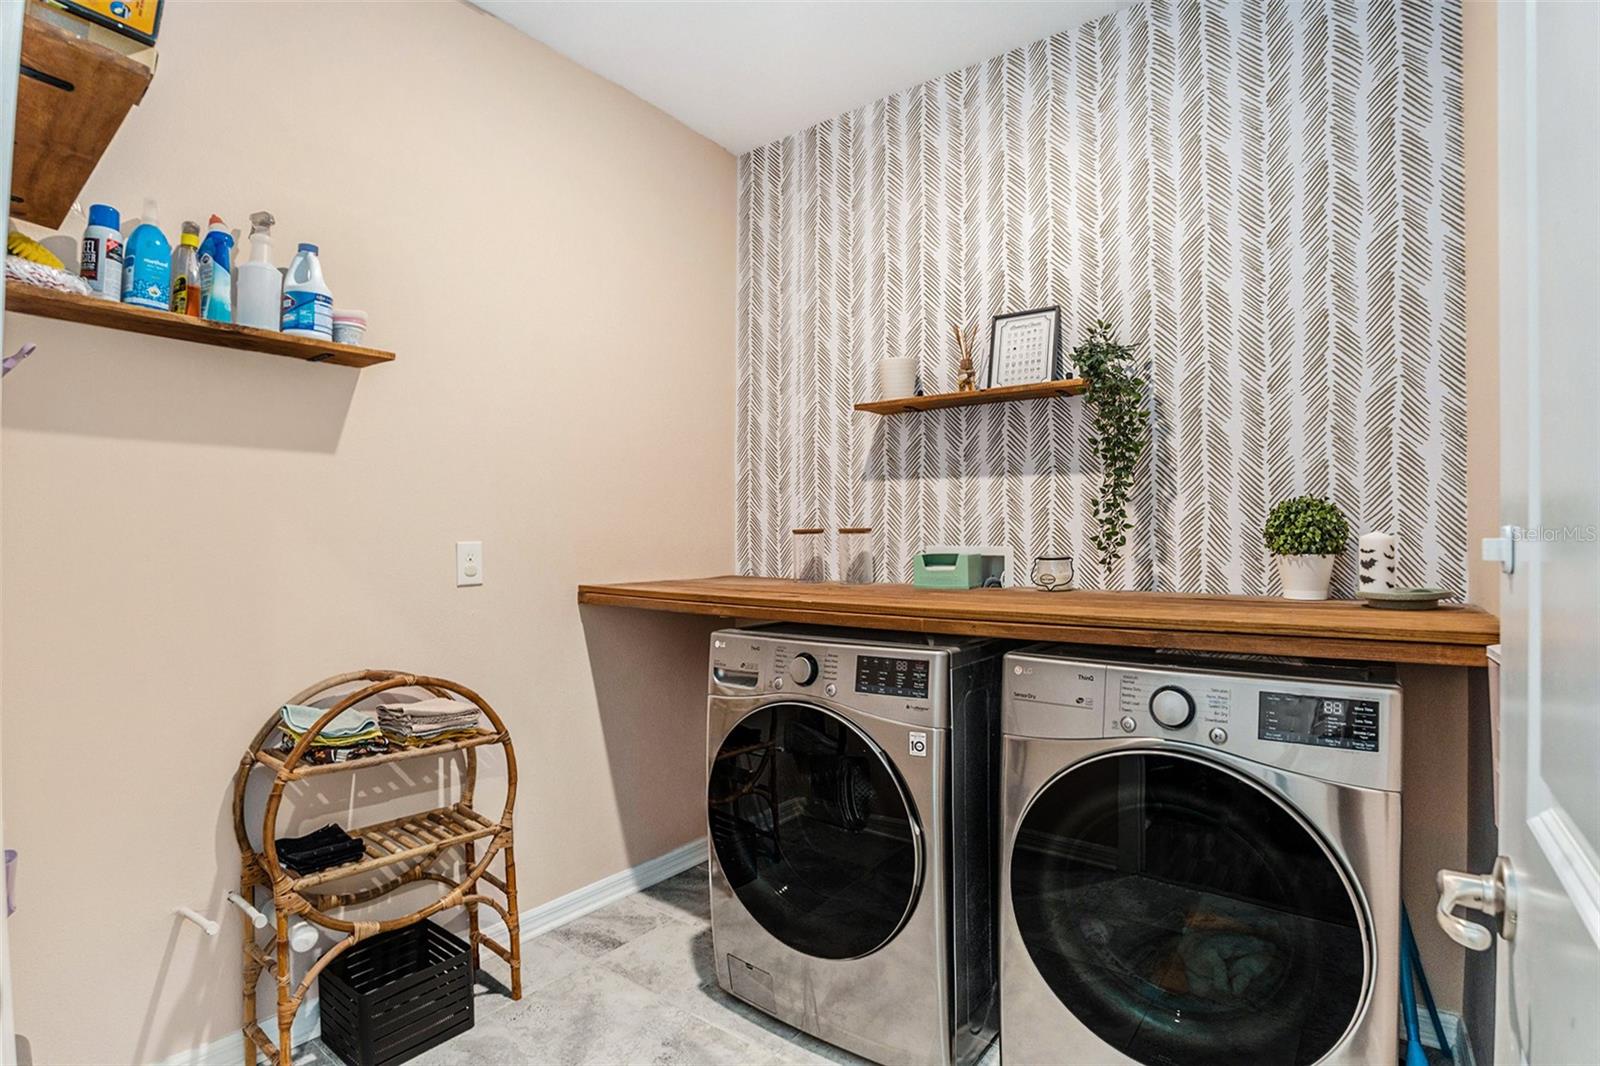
814,831
1185,915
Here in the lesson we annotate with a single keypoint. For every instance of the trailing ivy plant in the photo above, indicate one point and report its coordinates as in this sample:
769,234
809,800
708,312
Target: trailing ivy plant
1115,398
1306,525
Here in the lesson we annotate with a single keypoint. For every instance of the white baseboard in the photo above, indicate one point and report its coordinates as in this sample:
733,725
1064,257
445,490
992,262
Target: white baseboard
577,903
229,1050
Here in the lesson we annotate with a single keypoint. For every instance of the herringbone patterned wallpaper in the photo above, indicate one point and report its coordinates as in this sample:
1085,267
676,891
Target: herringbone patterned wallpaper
1265,196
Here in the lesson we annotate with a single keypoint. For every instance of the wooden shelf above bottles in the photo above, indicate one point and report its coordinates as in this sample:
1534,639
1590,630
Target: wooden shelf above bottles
1002,394
72,98
69,307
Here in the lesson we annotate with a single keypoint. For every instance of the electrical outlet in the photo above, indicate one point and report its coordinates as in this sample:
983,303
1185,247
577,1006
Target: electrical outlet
469,563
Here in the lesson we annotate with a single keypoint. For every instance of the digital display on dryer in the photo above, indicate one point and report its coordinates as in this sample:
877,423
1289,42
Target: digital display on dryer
1319,721
885,675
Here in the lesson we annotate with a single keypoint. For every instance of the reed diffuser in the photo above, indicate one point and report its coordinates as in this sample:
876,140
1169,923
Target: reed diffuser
966,375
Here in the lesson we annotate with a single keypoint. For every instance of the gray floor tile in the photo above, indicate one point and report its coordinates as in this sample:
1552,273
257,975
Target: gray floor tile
543,961
686,895
669,959
594,1016
608,928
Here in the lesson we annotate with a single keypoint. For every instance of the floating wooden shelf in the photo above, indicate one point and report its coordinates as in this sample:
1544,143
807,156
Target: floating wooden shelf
71,99
1259,625
70,307
1003,394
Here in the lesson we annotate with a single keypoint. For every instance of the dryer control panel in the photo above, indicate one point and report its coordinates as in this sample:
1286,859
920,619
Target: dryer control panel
1329,728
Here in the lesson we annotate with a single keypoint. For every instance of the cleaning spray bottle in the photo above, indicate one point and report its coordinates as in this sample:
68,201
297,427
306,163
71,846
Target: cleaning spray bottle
307,301
260,283
186,272
147,263
101,263
216,281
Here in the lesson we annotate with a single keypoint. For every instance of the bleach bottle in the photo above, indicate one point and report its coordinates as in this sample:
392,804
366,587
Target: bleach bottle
307,301
216,275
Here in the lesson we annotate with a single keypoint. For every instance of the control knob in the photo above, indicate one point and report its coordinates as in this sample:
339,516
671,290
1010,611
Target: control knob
803,669
1172,707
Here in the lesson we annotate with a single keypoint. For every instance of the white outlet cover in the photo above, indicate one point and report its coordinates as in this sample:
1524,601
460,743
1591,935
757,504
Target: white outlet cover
469,563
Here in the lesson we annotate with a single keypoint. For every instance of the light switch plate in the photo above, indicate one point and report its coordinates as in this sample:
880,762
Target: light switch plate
469,563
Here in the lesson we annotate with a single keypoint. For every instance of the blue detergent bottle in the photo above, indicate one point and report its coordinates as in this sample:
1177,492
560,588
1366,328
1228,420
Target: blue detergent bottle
147,264
216,273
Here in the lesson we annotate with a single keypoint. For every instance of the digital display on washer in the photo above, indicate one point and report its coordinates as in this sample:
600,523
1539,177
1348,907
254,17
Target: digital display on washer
1320,721
888,676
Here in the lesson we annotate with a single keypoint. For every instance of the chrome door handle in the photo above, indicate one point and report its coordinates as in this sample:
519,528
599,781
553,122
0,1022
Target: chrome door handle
1493,893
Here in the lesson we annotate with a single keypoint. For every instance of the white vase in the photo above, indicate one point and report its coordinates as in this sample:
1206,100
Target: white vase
1305,577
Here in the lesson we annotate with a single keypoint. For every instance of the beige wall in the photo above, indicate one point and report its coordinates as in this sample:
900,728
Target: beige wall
1479,87
192,534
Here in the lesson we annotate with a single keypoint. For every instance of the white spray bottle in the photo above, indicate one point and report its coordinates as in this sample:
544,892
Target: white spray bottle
260,302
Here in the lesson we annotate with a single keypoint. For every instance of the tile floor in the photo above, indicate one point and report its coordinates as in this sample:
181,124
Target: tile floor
632,982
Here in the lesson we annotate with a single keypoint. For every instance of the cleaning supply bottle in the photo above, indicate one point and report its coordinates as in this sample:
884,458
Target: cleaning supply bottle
260,285
147,264
101,263
307,301
216,274
186,272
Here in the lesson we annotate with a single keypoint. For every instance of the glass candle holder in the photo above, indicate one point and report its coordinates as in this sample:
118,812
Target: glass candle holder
810,554
856,563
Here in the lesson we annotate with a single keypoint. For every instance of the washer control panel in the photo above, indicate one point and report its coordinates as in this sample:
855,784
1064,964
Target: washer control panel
1336,729
905,684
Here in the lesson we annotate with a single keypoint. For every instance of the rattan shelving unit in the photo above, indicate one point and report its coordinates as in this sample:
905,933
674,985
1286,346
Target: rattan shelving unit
405,850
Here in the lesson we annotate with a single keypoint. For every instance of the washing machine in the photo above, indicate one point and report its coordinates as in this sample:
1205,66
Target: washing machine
852,793
1200,860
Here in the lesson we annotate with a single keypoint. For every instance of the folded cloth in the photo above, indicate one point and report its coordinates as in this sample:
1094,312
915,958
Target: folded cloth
426,720
325,741
322,849
346,723
343,751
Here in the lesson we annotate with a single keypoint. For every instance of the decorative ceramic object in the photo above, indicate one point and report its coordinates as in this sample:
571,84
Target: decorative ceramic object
1305,577
897,377
1304,534
1403,599
1379,559
1053,573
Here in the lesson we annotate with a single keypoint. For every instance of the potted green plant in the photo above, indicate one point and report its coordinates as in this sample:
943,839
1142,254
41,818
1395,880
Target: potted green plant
1304,534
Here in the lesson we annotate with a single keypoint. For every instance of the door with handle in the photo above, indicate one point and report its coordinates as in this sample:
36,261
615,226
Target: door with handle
1543,895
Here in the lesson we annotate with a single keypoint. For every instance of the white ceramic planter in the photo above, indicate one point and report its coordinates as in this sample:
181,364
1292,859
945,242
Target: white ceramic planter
1305,577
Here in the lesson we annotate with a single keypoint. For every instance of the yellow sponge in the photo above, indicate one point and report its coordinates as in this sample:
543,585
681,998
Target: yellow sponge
32,250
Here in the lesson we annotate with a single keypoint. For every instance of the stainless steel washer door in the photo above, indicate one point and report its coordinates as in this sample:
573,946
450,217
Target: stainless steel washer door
1183,913
814,831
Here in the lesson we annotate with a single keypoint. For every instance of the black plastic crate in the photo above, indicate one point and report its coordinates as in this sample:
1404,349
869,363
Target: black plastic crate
393,997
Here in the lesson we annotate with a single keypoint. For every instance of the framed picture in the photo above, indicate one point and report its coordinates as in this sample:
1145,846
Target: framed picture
1025,348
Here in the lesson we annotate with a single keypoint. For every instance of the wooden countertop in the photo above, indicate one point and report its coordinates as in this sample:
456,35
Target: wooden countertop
1330,629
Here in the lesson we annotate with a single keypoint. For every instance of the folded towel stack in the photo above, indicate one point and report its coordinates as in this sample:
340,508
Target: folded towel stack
324,849
427,721
352,733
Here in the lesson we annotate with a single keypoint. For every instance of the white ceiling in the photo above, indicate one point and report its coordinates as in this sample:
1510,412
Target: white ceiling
746,73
